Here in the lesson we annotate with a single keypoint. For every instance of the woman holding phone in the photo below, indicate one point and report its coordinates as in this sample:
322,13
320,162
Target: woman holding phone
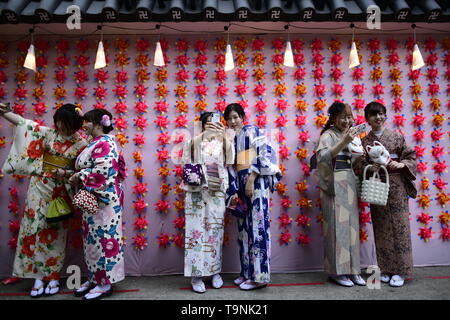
205,157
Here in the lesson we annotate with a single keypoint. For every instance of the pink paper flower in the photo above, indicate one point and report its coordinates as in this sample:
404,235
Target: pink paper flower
160,106
378,90
437,134
422,166
282,105
299,59
162,206
397,105
284,152
338,90
433,89
200,75
318,73
336,74
121,92
393,59
201,90
241,89
425,234
418,120
201,60
300,121
162,122
440,167
139,140
281,121
284,220
399,120
358,73
141,223
358,89
303,136
140,123
182,60
420,151
121,107
121,124
319,90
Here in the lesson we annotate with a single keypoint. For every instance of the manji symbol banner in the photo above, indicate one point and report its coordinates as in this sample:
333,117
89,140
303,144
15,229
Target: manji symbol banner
154,109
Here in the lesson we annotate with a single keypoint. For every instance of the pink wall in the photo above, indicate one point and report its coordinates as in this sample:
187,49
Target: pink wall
153,259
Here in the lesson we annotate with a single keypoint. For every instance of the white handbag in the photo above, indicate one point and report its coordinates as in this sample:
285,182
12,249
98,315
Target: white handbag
373,190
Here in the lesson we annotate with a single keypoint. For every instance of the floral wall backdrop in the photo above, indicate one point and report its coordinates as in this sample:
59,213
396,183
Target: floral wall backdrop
154,110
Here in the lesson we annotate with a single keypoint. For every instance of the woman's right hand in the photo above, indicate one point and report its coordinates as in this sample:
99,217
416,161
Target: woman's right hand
348,136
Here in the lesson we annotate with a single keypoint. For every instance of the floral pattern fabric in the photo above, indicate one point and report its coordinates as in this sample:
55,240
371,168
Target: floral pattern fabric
205,209
98,165
41,246
254,229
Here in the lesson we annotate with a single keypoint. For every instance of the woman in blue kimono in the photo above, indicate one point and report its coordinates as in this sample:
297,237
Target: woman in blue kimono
100,170
252,178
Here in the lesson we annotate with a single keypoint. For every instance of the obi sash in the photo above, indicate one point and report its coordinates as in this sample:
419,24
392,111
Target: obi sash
52,162
342,162
245,159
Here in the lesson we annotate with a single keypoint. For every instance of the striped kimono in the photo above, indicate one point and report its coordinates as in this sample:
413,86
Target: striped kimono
254,154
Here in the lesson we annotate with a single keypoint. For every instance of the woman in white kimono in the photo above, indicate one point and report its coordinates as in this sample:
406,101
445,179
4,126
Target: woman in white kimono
100,171
205,203
338,196
46,155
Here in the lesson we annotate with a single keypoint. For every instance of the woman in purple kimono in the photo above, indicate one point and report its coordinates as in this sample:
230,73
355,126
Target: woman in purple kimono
100,172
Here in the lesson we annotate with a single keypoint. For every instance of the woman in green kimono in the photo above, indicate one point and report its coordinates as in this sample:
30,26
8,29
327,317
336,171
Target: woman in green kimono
338,196
46,155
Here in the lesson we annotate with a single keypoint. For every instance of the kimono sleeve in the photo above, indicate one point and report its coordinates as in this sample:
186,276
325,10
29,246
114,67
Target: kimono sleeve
27,151
408,157
99,179
325,170
266,161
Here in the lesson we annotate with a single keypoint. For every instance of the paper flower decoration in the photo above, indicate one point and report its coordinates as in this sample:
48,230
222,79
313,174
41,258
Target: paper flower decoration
338,90
358,89
220,59
121,124
437,152
358,73
395,74
393,59
178,171
179,222
140,123
422,167
140,205
319,90
424,218
433,89
241,89
121,107
304,203
417,105
299,74
440,184
425,234
320,120
363,236
440,167
200,105
375,59
300,121
285,238
284,220
139,140
437,134
376,74
241,59
277,59
140,189
162,155
373,45
181,121
423,200
438,119
336,74
281,121
303,136
182,60
201,90
81,60
164,171
122,139
101,76
301,153
140,242
365,218
299,59
432,59
162,206
303,221
303,239
139,173
442,198
140,91
444,218
181,106
301,105
261,121
301,187
399,120
259,75
318,73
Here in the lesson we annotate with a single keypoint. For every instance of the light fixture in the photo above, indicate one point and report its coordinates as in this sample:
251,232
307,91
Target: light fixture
417,60
158,59
30,60
288,60
229,61
100,58
353,60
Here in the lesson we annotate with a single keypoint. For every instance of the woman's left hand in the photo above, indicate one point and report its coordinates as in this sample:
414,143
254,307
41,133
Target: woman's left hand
249,186
393,165
73,180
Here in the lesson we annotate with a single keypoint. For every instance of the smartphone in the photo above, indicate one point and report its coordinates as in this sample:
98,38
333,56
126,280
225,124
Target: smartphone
215,117
360,128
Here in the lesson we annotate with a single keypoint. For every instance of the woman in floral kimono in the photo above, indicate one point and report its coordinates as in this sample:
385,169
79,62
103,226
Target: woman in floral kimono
338,197
254,175
100,172
47,155
205,203
391,222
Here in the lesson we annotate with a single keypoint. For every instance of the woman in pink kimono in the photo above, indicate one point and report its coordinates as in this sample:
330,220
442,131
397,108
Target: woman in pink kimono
46,155
100,172
391,222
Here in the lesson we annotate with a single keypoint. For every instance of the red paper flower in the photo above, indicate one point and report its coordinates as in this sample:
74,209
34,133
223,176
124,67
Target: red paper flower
358,73
162,122
182,45
336,74
393,59
101,76
432,59
425,234
182,60
437,134
318,73
373,45
181,122
140,205
285,238
281,121
162,206
140,188
121,124
201,60
440,167
121,107
318,58
261,121
121,92
358,89
220,59
437,152
422,167
303,239
299,74
420,151
140,242
378,90
139,140
201,90
299,59
424,218
399,120
319,90
284,220
338,90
